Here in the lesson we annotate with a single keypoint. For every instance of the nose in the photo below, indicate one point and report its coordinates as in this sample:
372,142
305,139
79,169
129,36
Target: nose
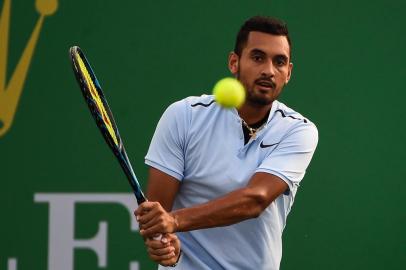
268,69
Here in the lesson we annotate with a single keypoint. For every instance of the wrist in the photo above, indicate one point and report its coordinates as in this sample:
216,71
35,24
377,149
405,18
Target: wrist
175,218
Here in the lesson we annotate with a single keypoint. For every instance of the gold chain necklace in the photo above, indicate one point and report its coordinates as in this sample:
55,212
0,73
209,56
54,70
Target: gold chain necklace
252,131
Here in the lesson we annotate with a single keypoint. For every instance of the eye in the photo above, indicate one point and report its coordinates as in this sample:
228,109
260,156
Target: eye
280,61
258,58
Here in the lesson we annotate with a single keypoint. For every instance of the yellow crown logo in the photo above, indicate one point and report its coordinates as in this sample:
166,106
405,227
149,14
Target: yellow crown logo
10,92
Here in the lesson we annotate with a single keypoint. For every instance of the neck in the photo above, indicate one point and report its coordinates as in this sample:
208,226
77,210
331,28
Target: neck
253,114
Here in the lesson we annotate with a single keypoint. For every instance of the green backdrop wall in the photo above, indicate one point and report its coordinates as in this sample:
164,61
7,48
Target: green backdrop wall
349,77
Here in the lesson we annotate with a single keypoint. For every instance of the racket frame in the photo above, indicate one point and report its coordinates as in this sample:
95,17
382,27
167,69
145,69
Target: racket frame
117,148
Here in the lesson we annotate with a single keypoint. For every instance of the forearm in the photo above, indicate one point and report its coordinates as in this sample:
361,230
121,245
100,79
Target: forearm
239,205
234,207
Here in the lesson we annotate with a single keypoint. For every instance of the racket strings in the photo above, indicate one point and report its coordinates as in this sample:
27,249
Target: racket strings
96,97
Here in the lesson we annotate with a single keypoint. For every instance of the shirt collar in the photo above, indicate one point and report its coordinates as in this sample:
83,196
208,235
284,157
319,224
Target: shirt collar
275,105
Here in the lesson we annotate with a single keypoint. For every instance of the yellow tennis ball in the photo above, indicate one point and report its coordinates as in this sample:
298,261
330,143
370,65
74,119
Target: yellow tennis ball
229,93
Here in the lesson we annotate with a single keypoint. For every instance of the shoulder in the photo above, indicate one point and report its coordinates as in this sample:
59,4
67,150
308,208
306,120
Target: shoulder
193,106
188,110
188,103
297,124
286,112
204,101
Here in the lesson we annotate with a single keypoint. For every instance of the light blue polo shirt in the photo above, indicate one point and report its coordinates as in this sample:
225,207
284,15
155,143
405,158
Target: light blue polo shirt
202,145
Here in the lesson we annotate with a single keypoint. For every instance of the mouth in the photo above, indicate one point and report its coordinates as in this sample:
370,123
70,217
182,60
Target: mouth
265,85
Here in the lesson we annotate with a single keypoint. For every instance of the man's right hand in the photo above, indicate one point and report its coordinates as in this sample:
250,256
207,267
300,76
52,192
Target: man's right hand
166,251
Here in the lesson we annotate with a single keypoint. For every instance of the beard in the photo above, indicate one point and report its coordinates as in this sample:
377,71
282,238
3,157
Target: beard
253,98
256,100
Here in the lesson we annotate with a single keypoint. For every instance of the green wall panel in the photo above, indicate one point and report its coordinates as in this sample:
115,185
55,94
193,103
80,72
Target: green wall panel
349,78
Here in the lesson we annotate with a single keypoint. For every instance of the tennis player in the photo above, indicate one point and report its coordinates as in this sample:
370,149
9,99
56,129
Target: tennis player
222,182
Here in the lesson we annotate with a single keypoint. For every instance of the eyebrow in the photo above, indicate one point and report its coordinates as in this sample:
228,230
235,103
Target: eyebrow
261,52
257,51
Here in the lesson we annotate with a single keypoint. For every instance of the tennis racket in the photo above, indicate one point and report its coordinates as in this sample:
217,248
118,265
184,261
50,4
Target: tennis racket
103,116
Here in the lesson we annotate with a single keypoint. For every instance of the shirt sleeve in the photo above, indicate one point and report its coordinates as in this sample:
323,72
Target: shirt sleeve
292,156
166,151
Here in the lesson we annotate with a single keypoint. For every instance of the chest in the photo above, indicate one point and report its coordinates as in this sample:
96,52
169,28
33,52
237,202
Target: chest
216,159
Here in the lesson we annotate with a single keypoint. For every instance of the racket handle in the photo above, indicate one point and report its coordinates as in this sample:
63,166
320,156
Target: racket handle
157,237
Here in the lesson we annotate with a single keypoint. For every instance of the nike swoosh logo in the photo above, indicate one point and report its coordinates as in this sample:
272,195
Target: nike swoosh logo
262,145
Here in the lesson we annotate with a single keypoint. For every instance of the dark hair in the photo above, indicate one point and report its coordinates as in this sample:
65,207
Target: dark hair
263,24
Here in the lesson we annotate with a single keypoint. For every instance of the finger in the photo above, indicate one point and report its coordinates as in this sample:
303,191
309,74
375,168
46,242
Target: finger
157,219
152,213
148,206
165,238
145,222
169,237
139,210
167,257
154,230
161,251
169,262
156,244
144,207
148,217
162,220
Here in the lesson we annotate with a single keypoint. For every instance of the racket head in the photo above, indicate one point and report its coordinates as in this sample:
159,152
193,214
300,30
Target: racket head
94,96
102,115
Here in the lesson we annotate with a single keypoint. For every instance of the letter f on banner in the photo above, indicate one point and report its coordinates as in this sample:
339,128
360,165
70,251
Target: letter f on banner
62,224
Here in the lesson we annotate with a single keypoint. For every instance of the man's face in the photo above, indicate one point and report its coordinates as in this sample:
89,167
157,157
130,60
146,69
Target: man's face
263,68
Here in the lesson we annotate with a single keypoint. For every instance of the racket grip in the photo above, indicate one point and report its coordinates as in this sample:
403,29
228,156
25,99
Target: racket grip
157,237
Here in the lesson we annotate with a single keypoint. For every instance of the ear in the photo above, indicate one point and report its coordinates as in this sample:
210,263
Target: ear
289,72
233,60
